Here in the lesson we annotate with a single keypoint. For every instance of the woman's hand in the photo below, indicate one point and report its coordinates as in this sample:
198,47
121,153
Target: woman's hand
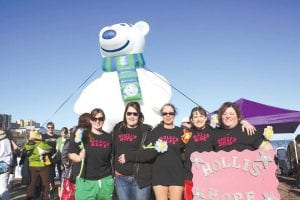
250,129
82,154
121,158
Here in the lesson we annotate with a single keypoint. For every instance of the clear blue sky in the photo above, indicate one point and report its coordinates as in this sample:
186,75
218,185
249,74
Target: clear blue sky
213,51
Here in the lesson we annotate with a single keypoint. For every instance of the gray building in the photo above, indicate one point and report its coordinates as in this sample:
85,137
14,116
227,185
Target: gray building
5,122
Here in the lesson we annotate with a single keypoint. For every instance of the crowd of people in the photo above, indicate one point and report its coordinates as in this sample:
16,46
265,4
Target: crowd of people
123,164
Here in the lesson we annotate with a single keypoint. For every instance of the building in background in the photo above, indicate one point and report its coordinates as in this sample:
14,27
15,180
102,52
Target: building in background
27,122
20,134
5,121
18,130
14,125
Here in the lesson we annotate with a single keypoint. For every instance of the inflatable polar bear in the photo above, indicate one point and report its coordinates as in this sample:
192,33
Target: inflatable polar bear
124,79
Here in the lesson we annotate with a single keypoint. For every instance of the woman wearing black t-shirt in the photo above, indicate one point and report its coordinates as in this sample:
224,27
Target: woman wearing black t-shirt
132,163
94,149
168,170
229,136
200,140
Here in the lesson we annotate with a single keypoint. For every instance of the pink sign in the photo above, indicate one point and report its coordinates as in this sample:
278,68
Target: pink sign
235,175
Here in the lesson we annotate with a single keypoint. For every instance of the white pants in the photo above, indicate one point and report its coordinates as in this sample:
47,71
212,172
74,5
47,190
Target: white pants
4,195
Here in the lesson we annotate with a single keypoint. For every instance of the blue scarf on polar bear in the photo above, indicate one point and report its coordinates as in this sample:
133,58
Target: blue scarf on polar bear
126,66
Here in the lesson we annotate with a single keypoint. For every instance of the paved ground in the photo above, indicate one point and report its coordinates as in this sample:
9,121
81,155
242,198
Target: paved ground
285,188
19,191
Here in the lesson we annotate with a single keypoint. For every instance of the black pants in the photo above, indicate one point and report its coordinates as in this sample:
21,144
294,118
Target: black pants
52,174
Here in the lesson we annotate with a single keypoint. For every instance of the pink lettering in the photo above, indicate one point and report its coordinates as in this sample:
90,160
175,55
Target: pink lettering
200,137
99,143
127,137
169,139
226,141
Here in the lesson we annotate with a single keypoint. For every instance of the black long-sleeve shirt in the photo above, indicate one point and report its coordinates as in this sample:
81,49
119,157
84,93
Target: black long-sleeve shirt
129,141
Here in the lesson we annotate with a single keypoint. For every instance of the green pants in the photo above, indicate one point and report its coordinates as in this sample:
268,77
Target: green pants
94,189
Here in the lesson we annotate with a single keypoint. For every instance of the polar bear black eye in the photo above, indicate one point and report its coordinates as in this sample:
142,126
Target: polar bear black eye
123,24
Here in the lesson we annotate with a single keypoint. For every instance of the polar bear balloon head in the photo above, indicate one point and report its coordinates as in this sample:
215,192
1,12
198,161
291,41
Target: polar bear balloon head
123,38
124,78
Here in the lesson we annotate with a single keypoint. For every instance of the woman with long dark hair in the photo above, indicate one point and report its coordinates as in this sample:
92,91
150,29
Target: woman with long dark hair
132,163
93,148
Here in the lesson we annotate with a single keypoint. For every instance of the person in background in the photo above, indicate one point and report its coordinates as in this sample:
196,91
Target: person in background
293,151
83,125
84,121
94,151
132,163
6,156
38,163
60,141
16,152
72,168
50,138
185,123
167,170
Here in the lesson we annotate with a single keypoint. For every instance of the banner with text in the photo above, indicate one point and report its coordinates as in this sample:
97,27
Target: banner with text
235,175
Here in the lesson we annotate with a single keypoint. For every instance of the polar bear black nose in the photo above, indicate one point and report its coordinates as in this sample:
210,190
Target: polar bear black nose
109,34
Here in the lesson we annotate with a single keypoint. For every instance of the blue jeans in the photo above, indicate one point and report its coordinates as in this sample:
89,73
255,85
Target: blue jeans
127,189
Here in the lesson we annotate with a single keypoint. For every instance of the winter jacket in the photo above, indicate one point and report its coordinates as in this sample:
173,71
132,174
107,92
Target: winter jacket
39,150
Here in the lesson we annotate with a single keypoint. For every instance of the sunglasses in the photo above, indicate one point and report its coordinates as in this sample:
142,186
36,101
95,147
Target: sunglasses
168,113
100,119
132,113
50,127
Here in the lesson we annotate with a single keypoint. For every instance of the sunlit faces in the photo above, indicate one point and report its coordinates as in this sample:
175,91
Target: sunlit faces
199,119
229,118
132,117
97,121
63,133
50,129
168,114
